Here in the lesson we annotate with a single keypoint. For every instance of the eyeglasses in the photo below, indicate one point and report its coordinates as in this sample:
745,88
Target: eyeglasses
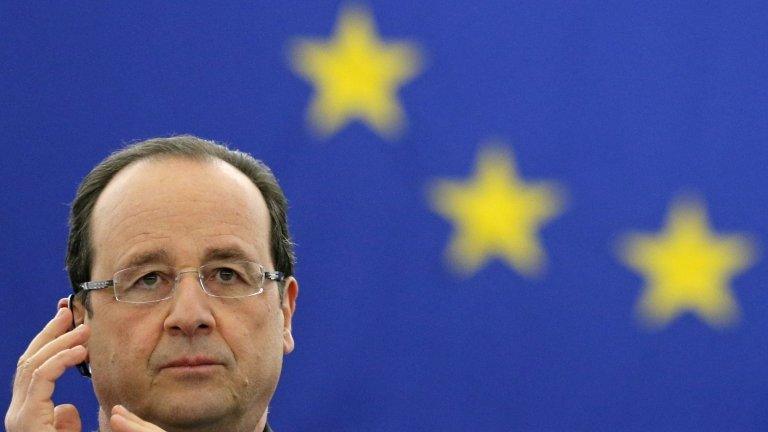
154,283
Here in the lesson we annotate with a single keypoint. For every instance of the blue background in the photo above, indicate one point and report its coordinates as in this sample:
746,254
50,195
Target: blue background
624,104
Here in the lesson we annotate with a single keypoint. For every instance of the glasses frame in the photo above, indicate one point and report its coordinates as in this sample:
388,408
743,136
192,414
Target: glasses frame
99,285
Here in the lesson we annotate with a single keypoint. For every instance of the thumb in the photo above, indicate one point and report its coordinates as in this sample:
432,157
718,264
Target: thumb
66,418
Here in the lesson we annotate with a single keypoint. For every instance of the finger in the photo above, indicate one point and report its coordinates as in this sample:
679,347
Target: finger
120,423
57,326
123,411
67,340
26,365
70,339
66,418
120,413
44,378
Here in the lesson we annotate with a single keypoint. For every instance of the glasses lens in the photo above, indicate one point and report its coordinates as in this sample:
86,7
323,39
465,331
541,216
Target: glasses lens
143,284
232,279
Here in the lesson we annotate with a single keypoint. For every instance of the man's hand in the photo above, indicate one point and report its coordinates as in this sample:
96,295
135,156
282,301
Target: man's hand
123,420
49,354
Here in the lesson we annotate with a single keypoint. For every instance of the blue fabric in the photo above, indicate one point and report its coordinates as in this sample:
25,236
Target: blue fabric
620,110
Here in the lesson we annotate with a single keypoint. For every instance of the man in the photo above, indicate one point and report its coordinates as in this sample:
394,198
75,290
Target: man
182,265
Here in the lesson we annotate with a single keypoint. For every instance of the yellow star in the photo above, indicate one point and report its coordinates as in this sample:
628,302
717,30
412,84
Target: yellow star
496,214
356,76
687,267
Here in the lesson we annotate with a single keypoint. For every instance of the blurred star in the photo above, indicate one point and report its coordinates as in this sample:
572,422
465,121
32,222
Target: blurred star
496,214
687,267
356,76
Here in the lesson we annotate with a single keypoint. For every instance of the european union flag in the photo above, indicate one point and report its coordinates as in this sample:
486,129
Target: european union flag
509,216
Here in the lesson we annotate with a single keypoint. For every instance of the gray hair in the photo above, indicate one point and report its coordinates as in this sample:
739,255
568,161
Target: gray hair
79,247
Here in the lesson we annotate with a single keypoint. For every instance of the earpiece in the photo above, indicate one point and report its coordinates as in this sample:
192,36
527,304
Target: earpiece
84,368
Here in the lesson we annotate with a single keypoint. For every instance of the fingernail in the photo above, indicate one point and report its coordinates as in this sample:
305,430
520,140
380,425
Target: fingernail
59,312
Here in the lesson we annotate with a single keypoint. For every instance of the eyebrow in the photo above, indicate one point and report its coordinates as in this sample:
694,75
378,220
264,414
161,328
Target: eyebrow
228,253
149,257
211,254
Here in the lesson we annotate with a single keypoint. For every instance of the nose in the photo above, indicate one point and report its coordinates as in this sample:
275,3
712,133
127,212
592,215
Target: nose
190,310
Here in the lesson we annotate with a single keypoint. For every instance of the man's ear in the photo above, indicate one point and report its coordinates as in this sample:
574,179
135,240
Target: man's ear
289,307
77,309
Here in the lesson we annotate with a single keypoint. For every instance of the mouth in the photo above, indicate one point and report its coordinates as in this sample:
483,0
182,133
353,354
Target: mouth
194,364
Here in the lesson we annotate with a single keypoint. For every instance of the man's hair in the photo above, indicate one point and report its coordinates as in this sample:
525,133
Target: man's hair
80,248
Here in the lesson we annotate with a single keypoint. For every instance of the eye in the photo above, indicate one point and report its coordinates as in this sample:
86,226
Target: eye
224,274
149,280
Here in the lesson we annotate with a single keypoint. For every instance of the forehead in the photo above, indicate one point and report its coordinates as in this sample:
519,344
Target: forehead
179,205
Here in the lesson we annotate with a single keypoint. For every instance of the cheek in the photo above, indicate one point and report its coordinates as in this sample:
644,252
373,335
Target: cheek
121,346
255,332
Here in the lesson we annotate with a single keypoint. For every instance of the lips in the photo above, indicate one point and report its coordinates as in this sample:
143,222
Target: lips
191,362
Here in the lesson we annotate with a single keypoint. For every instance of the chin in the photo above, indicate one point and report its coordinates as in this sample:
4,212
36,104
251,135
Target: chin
198,412
191,403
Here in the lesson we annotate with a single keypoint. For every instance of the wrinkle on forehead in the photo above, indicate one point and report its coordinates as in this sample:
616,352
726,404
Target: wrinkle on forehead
172,197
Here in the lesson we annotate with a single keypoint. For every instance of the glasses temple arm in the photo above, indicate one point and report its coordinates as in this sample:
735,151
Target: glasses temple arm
96,285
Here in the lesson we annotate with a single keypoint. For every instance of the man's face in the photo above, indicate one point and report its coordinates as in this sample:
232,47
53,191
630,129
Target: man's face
180,212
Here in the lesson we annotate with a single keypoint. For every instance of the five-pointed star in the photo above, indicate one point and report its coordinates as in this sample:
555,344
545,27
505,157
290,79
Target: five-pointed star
687,267
356,76
496,214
